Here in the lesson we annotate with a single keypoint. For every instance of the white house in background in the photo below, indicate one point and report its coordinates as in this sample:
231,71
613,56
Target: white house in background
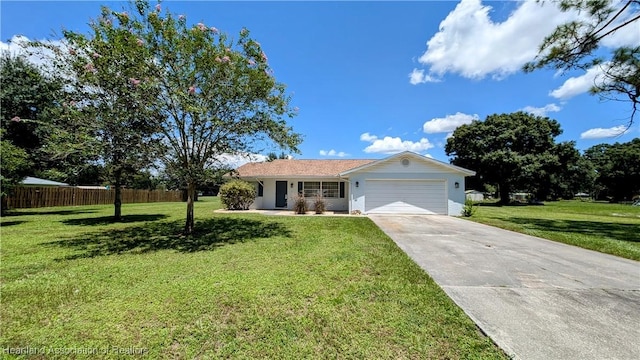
474,195
405,183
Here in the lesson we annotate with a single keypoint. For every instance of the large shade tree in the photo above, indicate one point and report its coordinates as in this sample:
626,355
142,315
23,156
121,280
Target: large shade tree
218,96
576,44
512,152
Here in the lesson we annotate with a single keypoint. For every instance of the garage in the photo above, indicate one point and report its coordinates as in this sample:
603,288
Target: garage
406,183
406,196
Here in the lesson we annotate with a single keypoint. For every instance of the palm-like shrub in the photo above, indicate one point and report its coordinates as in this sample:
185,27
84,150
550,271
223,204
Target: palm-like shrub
319,205
300,205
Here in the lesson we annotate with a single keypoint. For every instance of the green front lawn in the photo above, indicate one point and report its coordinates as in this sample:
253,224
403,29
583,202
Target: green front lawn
245,286
608,228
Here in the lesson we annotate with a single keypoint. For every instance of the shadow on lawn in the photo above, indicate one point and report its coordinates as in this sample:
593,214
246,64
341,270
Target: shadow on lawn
10,223
622,232
105,220
155,236
13,213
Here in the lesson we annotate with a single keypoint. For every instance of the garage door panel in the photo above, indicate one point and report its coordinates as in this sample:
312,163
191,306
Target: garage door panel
405,197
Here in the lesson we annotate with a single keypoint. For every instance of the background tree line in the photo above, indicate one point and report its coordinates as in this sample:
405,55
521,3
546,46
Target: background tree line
518,153
143,89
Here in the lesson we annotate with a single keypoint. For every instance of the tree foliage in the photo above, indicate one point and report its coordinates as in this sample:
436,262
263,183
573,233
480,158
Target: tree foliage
15,165
618,169
574,45
109,98
30,103
28,100
273,156
237,195
218,95
513,152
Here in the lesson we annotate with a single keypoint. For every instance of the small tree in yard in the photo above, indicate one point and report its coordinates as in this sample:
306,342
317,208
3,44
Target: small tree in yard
218,95
237,195
108,103
469,208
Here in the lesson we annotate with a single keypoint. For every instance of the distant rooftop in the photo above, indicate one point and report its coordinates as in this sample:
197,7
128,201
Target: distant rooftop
34,181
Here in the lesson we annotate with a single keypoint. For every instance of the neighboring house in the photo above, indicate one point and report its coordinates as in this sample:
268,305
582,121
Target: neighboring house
405,183
520,196
582,196
474,195
34,181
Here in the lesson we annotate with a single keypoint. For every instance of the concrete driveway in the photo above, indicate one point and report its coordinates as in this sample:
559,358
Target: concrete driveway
537,299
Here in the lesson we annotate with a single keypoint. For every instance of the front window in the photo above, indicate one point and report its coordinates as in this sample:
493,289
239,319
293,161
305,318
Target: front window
330,189
311,189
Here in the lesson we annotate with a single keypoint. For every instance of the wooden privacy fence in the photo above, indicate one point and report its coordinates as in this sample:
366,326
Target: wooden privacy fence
33,197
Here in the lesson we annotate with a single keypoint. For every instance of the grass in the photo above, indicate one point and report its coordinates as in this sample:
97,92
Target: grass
608,228
244,286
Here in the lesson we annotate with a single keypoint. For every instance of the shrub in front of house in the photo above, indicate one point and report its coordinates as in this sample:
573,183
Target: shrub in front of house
237,195
319,205
469,208
300,205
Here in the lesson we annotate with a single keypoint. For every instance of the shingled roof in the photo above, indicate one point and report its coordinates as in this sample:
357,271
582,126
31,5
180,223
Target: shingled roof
301,168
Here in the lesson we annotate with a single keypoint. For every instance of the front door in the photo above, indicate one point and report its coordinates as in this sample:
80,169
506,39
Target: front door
281,194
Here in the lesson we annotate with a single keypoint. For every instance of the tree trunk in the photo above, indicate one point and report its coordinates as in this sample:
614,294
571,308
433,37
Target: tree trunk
3,204
504,193
117,203
191,195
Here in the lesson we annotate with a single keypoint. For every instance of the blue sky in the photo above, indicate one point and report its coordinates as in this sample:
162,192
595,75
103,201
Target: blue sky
374,78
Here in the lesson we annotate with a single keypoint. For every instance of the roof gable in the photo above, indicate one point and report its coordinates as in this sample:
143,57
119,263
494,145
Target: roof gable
408,154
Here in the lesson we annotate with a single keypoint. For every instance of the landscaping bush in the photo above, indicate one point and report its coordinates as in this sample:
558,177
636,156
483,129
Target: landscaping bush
237,195
300,205
319,205
468,208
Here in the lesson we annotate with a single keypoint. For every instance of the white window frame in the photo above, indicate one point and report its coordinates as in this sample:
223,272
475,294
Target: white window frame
310,192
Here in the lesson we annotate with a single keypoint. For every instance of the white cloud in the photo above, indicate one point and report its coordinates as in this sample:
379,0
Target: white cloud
368,137
236,160
600,133
393,145
626,36
15,46
418,77
542,111
448,123
19,46
579,84
333,153
598,75
470,44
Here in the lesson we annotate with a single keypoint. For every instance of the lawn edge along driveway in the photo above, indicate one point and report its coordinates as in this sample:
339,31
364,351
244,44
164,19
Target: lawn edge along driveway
537,299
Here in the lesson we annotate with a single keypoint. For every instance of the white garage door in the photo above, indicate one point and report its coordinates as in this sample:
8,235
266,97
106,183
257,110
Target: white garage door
405,197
